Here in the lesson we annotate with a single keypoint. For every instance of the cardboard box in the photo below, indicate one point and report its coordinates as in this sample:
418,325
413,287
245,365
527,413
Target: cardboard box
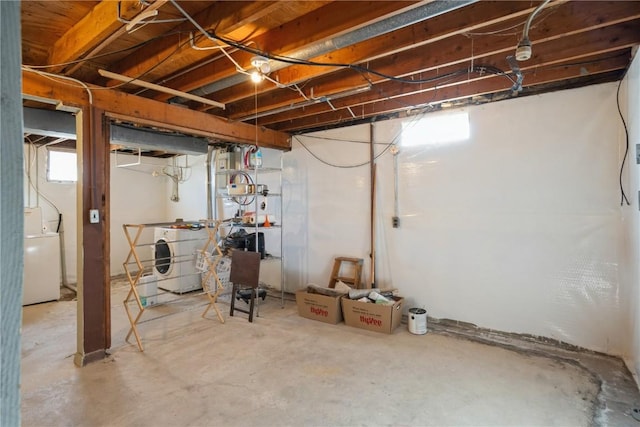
374,317
319,307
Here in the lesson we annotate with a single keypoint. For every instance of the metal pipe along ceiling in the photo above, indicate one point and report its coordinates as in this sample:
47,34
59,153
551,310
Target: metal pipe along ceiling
410,17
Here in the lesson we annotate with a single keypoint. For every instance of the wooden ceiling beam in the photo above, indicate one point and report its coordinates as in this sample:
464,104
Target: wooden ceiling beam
95,31
225,18
546,54
454,56
398,91
457,49
460,21
320,24
482,86
149,112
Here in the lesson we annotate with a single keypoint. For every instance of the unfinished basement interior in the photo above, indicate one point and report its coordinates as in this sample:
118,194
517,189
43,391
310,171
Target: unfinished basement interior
320,213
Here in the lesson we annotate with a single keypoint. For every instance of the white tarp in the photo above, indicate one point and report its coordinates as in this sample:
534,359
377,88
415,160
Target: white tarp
517,229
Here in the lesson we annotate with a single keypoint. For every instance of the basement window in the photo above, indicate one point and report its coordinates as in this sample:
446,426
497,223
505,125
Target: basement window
436,128
61,166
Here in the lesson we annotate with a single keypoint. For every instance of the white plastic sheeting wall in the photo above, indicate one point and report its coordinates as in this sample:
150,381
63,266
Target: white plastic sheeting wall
517,229
630,103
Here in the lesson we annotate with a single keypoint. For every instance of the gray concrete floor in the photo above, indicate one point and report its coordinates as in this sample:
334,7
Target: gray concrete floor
284,370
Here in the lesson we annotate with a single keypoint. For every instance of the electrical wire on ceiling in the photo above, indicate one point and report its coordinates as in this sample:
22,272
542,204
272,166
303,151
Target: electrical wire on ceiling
359,68
141,19
242,46
103,55
295,61
62,79
79,83
523,50
503,31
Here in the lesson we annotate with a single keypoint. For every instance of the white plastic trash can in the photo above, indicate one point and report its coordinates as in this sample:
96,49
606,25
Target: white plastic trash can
148,290
418,321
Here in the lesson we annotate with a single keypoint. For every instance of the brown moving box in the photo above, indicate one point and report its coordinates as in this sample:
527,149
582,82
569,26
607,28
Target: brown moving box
319,307
374,317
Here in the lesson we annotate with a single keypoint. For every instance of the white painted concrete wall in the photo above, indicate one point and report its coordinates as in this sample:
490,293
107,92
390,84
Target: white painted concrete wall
136,197
192,205
517,229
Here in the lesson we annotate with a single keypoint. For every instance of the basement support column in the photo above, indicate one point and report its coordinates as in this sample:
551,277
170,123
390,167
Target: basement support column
372,160
11,213
94,314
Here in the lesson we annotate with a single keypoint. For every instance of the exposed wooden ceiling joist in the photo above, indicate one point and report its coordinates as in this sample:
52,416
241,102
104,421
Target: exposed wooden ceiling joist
462,39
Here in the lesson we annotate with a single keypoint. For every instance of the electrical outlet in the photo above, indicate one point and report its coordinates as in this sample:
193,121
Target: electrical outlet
94,216
396,222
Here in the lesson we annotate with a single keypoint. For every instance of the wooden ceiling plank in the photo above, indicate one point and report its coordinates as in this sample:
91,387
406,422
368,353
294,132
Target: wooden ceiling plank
224,17
318,25
576,47
99,25
147,111
484,85
115,35
454,50
460,21
570,18
453,56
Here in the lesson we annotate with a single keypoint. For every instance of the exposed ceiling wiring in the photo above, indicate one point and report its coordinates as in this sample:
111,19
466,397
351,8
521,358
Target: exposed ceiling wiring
502,32
359,68
295,61
102,55
65,80
141,19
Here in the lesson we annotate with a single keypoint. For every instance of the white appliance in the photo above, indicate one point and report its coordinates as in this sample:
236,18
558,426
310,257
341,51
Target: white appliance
33,224
174,258
42,277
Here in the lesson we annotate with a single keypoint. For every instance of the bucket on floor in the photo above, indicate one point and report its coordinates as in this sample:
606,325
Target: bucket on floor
148,290
418,321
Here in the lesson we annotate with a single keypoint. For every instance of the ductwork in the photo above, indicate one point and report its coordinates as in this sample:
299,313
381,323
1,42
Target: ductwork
401,20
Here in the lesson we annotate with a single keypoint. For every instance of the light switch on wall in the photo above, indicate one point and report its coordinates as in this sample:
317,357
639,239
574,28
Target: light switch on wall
94,216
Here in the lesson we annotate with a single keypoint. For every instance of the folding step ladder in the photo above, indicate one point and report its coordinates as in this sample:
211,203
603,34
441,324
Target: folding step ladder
352,281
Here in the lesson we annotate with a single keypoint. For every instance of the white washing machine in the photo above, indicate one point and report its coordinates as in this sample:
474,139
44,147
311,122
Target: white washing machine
174,258
41,274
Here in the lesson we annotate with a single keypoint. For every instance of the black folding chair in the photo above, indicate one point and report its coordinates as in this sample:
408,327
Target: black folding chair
244,275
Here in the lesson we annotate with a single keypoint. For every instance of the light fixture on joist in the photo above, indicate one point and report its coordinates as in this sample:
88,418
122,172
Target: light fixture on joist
262,68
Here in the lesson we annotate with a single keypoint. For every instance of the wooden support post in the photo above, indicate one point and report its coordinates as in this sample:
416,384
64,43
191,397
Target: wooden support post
94,324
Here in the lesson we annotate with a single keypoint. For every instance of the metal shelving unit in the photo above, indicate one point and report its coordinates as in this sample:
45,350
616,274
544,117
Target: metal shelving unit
253,199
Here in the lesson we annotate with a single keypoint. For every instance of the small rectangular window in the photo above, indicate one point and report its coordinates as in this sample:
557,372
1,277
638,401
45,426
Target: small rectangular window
62,166
436,128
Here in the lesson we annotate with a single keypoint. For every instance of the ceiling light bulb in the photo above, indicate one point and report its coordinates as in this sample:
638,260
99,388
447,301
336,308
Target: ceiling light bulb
261,64
256,76
523,51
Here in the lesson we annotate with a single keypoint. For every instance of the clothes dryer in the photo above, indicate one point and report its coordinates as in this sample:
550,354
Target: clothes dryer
174,258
